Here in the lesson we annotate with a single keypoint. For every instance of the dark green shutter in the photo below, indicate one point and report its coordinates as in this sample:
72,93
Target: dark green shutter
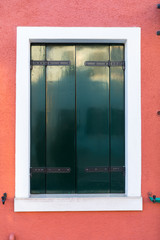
60,119
117,117
92,93
77,119
37,119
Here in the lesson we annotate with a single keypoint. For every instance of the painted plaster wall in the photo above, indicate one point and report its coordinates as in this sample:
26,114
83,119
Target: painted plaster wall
91,13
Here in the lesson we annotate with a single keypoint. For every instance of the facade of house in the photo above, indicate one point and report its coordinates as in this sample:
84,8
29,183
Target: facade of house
79,138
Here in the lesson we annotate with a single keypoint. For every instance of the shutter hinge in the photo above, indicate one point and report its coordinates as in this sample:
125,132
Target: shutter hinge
105,64
105,169
50,63
46,170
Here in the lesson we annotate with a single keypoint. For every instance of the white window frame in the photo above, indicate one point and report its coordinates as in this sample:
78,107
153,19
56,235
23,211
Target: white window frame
131,200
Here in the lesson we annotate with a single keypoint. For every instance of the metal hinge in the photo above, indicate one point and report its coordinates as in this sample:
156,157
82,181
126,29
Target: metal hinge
50,63
50,170
105,169
105,64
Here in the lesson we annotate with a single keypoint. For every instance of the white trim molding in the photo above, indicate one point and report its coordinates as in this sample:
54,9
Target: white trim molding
131,200
93,202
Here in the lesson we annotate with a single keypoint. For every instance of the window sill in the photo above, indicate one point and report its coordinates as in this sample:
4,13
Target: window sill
83,202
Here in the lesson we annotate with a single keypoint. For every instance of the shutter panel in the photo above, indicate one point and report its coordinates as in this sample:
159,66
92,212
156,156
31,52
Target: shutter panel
38,119
92,95
60,121
117,117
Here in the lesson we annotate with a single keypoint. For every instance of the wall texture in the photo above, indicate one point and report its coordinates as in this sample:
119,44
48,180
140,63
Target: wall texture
91,13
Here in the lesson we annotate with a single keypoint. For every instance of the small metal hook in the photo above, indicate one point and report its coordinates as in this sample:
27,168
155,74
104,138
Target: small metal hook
154,198
4,197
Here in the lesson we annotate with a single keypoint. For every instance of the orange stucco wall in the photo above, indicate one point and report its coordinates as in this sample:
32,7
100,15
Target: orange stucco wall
82,225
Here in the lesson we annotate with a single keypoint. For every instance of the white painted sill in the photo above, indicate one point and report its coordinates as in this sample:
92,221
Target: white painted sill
83,202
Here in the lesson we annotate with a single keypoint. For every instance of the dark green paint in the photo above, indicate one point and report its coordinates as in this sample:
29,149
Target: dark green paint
60,120
38,183
38,118
77,119
117,117
92,93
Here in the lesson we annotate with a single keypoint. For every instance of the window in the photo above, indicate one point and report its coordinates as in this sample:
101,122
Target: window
83,127
77,118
